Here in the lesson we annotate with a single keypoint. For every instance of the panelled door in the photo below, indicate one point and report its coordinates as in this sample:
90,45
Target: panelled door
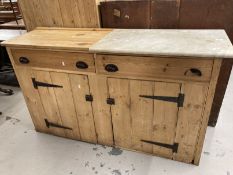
67,102
140,121
147,115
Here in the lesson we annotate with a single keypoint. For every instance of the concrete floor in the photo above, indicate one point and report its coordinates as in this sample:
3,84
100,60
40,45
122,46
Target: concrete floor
25,152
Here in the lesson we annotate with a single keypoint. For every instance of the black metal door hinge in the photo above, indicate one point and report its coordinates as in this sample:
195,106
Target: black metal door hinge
89,98
49,124
111,101
37,83
173,147
179,100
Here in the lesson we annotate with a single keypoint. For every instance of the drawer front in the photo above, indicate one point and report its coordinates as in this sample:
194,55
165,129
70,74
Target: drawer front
54,60
151,67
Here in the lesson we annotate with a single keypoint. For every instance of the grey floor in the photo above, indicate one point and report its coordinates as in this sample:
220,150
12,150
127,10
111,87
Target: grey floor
26,152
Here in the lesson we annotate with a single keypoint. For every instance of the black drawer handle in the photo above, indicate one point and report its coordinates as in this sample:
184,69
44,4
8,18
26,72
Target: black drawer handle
24,60
111,68
193,71
81,65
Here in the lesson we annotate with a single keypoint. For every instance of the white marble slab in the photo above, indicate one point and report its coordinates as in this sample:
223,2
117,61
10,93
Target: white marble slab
166,42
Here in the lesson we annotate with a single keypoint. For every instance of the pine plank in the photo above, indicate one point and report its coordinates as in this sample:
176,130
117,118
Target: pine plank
80,88
66,105
165,117
141,111
67,14
206,112
101,110
60,13
50,13
189,120
59,38
27,14
121,118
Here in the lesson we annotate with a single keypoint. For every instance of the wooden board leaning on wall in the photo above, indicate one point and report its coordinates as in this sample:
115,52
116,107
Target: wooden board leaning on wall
60,13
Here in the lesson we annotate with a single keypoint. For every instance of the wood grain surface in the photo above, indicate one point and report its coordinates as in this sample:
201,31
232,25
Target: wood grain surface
59,13
79,39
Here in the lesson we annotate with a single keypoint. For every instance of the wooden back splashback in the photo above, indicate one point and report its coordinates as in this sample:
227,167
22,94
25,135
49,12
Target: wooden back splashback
60,13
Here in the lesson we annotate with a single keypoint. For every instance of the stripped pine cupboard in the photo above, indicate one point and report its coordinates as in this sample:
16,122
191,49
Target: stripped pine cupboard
132,115
152,104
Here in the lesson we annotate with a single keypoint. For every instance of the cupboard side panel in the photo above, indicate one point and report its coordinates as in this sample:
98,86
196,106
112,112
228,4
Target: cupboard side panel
80,88
189,120
121,118
206,113
65,102
101,110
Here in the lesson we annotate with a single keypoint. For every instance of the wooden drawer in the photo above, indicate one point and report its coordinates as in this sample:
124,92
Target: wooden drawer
172,68
72,61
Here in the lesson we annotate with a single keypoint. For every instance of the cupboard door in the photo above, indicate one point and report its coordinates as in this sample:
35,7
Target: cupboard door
49,103
139,122
63,97
57,103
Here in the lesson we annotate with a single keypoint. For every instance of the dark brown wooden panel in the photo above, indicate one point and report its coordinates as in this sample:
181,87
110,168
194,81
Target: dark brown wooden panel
165,14
223,79
220,16
193,13
125,14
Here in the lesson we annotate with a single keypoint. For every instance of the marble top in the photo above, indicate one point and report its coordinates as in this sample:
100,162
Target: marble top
166,42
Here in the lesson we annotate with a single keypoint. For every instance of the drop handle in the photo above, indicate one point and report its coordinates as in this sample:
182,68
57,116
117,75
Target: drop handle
81,65
193,71
24,60
111,68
